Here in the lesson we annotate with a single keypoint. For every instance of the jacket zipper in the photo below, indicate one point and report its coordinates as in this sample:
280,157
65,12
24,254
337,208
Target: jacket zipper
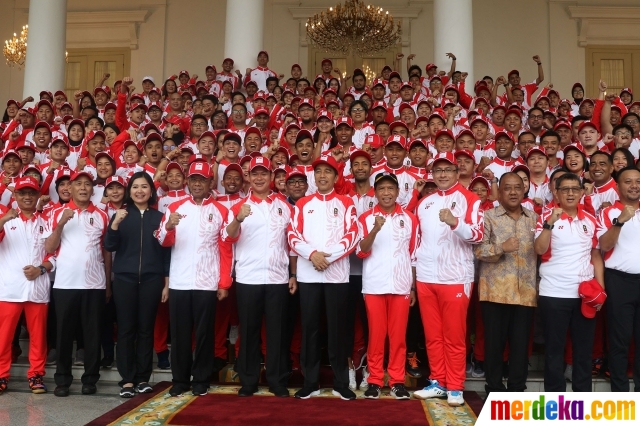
140,262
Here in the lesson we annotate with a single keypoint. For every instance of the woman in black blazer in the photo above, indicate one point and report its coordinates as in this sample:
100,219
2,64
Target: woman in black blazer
141,270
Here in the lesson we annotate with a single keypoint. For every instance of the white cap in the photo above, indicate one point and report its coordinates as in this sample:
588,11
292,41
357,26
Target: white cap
148,77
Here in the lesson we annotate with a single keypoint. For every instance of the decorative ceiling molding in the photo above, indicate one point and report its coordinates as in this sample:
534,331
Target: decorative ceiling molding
606,25
107,29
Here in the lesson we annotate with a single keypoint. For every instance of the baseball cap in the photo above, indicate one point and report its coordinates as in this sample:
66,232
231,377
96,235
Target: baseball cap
200,168
429,66
63,173
261,161
399,139
444,132
326,160
296,171
398,123
381,177
232,167
27,182
465,153
480,179
153,137
513,72
593,296
445,156
374,140
344,120
536,150
78,175
115,179
505,133
359,153
174,165
586,123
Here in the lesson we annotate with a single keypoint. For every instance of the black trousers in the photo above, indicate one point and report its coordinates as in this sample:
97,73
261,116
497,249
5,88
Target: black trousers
558,316
623,320
75,307
192,311
254,302
108,322
415,329
506,323
292,316
333,298
355,306
136,305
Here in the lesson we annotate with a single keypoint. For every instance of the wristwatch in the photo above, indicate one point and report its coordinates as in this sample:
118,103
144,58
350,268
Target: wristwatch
43,270
545,225
617,223
293,276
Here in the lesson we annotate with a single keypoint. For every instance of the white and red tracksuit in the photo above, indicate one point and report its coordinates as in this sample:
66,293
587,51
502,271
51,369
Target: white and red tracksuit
444,275
387,279
22,244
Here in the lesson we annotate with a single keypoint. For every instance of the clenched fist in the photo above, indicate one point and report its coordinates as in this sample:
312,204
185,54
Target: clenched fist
510,245
447,217
245,211
174,220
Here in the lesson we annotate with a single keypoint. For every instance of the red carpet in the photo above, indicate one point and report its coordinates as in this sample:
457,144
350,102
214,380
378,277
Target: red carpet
263,410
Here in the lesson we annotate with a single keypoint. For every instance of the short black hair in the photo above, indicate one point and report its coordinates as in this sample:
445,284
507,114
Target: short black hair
578,118
154,195
606,154
199,117
556,171
113,127
270,79
568,176
535,108
622,126
415,68
488,77
294,80
94,117
619,174
212,98
549,133
304,79
234,94
630,114
525,133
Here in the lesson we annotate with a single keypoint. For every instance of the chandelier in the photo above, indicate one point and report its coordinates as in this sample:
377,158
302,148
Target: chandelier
354,28
15,50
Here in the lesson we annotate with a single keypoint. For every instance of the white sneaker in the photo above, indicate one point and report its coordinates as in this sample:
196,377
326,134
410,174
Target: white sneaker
352,379
233,334
364,384
454,398
434,390
568,372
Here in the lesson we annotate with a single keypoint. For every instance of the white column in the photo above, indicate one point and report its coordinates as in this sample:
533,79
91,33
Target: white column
46,44
453,32
243,32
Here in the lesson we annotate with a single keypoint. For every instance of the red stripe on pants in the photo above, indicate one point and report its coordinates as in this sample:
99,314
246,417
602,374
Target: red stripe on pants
36,316
161,328
443,308
388,315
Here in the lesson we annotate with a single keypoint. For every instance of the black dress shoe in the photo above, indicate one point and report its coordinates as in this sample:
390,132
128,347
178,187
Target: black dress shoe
88,389
61,391
280,392
247,391
177,390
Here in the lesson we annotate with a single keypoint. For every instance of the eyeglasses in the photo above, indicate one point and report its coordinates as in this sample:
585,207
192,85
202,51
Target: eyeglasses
632,121
238,111
443,171
169,148
199,124
578,91
357,110
297,182
571,189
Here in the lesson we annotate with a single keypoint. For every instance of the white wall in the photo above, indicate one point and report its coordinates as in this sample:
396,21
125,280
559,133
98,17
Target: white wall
179,34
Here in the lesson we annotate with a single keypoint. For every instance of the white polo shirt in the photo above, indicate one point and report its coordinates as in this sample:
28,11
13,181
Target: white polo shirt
624,255
22,244
567,262
265,227
387,266
80,265
201,255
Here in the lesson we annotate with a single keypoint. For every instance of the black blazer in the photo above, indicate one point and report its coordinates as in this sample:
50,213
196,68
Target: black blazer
139,256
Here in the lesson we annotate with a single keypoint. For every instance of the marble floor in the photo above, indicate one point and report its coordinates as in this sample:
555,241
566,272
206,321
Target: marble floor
18,406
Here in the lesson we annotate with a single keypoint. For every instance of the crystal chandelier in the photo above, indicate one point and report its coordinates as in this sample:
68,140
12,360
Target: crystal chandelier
354,28
15,50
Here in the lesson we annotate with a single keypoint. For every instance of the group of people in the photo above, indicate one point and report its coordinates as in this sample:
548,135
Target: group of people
384,212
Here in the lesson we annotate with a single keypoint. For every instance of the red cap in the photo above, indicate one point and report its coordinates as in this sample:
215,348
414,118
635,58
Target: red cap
593,296
156,104
438,113
514,110
60,92
115,179
10,152
429,66
406,84
332,102
394,74
150,126
586,123
374,140
296,171
536,150
129,143
296,66
198,158
513,72
259,111
263,51
27,182
416,141
207,133
344,120
213,67
465,131
25,144
587,100
200,168
41,124
398,123
523,168
573,146
404,106
101,154
232,167
306,101
153,137
379,82
251,82
185,147
323,113
156,89
13,102
326,60
327,160
481,180
64,172
93,134
562,123
77,175
44,102
445,156
505,133
626,89
174,119
250,130
228,59
329,90
60,138
233,136
183,72
399,139
465,153
139,105
379,104
444,132
260,162
110,105
360,153
105,89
